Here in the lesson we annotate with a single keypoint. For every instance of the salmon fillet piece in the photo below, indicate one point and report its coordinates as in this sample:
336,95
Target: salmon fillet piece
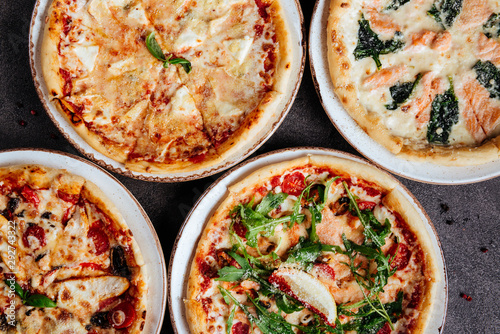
474,14
381,23
385,77
488,49
440,41
421,105
481,115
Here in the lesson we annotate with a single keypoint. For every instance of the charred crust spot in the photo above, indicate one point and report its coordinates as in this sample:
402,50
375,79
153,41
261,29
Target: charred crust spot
344,5
345,65
142,326
143,314
344,99
287,66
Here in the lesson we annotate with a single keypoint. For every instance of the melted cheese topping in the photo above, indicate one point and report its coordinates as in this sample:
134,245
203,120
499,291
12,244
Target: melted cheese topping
63,247
107,71
445,54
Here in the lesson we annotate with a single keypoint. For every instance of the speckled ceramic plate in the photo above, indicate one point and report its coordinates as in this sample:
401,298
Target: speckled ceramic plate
191,230
137,220
349,129
295,22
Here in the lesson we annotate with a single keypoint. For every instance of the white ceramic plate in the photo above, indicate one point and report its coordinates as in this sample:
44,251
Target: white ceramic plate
349,129
295,24
137,220
187,240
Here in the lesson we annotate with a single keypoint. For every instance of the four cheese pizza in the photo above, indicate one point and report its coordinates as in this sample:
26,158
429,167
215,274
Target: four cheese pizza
166,86
314,245
422,77
68,262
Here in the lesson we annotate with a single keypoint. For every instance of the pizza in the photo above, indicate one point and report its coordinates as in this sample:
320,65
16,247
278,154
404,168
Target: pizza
420,77
318,244
167,86
68,261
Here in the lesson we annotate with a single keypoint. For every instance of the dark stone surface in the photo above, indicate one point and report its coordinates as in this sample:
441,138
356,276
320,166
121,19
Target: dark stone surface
466,217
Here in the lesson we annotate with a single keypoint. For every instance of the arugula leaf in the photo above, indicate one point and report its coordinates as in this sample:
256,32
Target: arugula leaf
369,322
370,45
400,92
492,27
488,76
230,320
445,12
257,221
267,322
270,202
444,114
155,50
35,300
305,253
395,4
373,229
316,208
287,305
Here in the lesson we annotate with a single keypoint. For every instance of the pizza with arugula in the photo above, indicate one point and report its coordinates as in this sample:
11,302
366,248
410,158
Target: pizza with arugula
314,245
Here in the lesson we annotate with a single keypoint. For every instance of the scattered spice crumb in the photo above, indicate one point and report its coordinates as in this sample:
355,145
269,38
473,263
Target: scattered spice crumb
22,123
444,208
54,136
449,222
466,297
33,112
484,249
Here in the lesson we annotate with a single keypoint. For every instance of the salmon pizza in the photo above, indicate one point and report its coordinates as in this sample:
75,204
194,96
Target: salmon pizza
315,245
68,261
421,77
167,86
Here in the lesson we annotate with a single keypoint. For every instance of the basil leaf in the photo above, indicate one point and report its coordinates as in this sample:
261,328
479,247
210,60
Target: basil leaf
488,76
370,45
444,114
445,12
492,27
400,92
395,4
155,48
19,290
39,301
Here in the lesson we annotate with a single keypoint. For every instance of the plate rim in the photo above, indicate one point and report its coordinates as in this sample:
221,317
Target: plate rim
306,150
139,207
317,16
107,162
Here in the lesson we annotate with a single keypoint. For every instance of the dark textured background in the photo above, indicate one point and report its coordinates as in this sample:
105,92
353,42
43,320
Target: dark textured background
466,217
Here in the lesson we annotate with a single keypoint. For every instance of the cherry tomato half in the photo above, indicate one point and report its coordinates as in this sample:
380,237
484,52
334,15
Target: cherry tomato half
293,184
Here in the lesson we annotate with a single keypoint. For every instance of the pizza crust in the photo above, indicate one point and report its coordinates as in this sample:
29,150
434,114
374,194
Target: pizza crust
372,124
